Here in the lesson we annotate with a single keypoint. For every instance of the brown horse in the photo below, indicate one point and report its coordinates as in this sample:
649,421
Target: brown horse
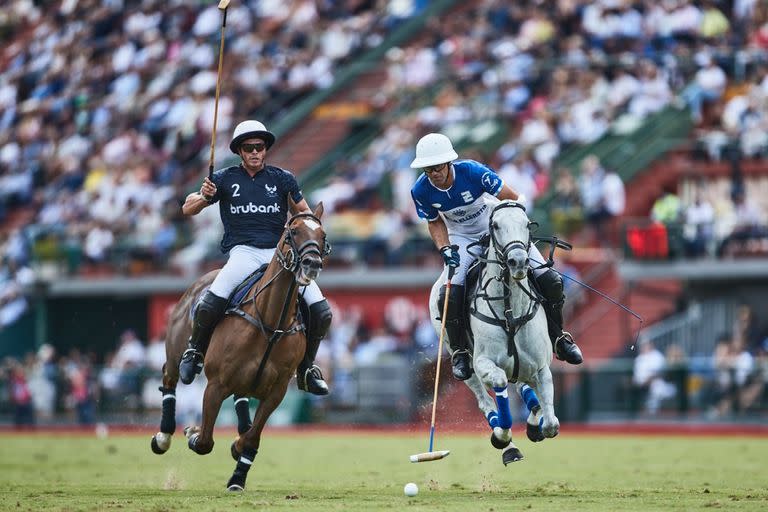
241,359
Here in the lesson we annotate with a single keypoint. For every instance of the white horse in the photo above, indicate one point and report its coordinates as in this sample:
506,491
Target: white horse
511,342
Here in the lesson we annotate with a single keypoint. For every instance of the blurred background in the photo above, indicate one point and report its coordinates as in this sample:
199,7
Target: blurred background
637,130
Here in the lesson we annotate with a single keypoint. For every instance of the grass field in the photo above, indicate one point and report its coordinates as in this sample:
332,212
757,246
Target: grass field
367,472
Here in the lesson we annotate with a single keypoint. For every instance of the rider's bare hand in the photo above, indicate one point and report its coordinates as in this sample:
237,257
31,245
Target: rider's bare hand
208,190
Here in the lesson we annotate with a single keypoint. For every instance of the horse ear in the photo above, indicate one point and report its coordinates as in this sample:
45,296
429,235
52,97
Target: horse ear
319,210
291,205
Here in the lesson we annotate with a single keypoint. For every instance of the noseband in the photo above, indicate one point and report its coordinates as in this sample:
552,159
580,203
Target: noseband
291,259
503,251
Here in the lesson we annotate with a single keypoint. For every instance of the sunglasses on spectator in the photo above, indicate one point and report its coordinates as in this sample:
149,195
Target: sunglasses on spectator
432,169
258,146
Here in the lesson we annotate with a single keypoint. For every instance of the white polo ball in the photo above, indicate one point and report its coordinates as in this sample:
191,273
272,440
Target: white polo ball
411,489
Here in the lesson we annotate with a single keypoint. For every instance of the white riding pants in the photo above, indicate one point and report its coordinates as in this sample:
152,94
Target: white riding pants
467,256
243,261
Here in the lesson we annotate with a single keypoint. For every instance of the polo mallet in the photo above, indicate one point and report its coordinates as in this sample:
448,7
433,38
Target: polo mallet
223,5
440,454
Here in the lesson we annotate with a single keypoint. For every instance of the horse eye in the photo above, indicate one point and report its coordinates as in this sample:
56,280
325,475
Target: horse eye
293,231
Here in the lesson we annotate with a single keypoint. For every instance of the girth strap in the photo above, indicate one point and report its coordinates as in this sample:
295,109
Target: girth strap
258,323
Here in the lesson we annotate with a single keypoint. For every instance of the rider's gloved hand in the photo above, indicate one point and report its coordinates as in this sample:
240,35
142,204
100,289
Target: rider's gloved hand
450,254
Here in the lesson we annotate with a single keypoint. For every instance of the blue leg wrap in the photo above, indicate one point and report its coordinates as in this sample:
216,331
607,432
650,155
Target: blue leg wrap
529,397
502,402
493,419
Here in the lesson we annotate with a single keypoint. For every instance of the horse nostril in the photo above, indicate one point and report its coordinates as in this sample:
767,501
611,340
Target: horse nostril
312,264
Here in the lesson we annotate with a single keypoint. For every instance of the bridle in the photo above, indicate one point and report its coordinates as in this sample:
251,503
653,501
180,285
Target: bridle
502,251
289,261
292,258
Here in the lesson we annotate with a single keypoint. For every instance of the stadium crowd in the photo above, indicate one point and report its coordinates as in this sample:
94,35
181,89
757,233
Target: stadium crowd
607,67
106,107
103,187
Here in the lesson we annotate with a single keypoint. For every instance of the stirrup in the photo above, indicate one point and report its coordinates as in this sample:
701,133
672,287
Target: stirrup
313,382
570,352
191,365
462,369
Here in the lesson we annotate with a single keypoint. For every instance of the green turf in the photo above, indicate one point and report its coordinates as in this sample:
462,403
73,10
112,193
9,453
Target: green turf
326,472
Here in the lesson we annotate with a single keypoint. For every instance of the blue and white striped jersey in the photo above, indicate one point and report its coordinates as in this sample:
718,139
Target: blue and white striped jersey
466,206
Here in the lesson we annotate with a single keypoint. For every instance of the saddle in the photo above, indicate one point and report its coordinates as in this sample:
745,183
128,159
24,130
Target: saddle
239,294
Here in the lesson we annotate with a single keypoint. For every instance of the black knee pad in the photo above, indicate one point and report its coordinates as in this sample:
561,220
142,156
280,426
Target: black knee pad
551,287
320,318
455,302
210,310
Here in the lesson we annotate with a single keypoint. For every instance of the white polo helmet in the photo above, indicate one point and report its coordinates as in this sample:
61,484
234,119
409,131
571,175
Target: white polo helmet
249,129
433,149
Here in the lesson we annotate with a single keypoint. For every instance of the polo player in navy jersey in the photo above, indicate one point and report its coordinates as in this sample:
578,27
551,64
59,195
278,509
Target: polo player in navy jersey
456,197
253,204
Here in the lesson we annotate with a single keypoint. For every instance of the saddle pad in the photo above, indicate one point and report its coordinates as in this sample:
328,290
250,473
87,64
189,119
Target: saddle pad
238,294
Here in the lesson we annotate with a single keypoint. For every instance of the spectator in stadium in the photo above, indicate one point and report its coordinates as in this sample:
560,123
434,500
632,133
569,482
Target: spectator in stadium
708,86
733,365
451,195
42,381
667,208
21,398
698,225
566,211
253,202
130,352
602,194
81,383
748,224
747,327
755,389
648,377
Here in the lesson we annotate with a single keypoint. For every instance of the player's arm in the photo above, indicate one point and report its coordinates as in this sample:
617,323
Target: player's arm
507,192
300,207
196,201
439,232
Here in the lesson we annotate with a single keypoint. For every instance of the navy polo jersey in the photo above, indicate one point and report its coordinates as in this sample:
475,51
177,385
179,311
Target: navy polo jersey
254,209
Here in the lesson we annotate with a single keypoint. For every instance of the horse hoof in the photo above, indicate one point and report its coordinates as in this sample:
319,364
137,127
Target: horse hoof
534,433
236,482
498,443
234,452
550,430
511,455
155,448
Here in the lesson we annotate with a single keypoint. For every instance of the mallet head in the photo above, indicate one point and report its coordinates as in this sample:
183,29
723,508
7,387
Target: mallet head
428,456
